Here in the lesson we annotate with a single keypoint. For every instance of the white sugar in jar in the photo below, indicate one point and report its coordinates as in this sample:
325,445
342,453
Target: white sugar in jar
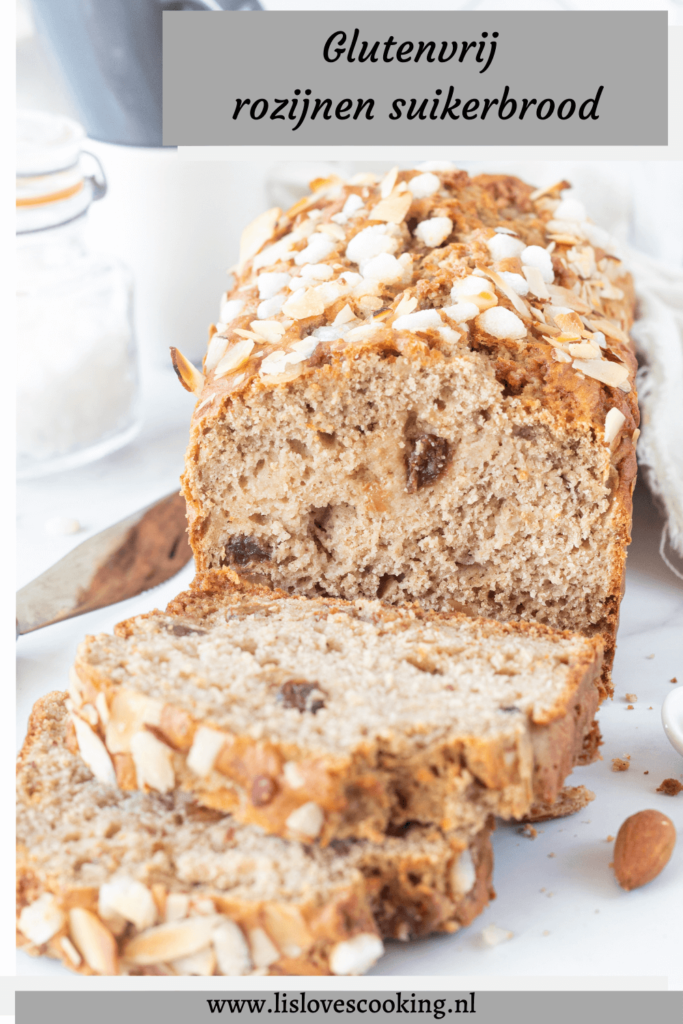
77,381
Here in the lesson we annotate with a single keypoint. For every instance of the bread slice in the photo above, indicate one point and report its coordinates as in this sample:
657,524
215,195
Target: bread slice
320,719
138,883
442,410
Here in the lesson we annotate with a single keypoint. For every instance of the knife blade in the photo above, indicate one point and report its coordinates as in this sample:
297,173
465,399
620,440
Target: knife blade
137,553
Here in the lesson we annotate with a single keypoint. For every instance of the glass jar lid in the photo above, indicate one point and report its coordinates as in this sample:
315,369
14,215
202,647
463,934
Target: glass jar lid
52,186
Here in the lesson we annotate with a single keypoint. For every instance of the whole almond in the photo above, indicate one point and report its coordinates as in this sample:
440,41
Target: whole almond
644,845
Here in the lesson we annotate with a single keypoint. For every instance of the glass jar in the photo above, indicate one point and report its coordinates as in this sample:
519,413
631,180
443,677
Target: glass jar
77,380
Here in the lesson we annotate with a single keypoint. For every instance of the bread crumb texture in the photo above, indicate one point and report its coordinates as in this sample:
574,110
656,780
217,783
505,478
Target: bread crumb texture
423,397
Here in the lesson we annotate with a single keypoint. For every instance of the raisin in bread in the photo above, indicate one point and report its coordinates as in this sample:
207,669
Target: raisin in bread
319,719
136,883
422,388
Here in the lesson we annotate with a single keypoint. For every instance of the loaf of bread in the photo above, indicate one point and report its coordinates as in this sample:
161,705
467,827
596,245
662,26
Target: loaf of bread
320,719
422,388
139,883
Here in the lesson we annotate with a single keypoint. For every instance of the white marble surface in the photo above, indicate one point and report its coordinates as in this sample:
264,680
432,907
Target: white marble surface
556,892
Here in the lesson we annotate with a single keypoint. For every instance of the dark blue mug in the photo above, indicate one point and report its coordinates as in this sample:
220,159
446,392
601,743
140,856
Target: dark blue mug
110,53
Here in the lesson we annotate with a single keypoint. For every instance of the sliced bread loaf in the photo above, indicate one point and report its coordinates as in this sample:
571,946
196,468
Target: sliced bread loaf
138,883
422,388
321,719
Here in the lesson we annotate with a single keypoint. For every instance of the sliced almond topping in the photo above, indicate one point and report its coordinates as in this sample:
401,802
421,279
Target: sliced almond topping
333,230
42,919
232,951
293,775
356,955
205,749
153,762
606,372
614,421
287,928
564,297
263,952
344,316
202,964
188,375
551,190
306,821
537,285
269,330
257,234
463,874
304,303
70,950
509,292
94,941
235,358
387,184
171,941
570,323
177,906
128,713
129,898
608,328
584,350
94,752
561,357
102,708
392,210
407,304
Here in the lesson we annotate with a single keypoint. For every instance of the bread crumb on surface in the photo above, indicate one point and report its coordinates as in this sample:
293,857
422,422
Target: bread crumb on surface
631,698
529,831
649,657
619,764
646,773
545,932
610,839
629,707
670,787
674,680
492,935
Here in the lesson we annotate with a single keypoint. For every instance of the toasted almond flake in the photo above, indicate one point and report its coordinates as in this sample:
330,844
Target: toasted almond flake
509,292
88,712
170,941
562,239
334,231
344,316
235,358
306,821
282,377
263,951
407,304
102,709
94,941
287,928
188,375
129,898
624,386
356,955
463,874
206,747
559,186
241,332
584,350
363,332
388,182
177,906
153,762
94,752
582,260
42,919
606,372
564,297
614,421
70,950
256,234
128,713
560,356
201,964
392,210
232,951
537,285
269,330
570,323
608,328
493,935
304,303
370,303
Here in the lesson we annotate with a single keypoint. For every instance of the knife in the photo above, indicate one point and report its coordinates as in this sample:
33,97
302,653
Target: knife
137,553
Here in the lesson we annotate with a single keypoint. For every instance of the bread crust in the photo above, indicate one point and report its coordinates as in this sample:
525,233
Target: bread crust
454,781
399,890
